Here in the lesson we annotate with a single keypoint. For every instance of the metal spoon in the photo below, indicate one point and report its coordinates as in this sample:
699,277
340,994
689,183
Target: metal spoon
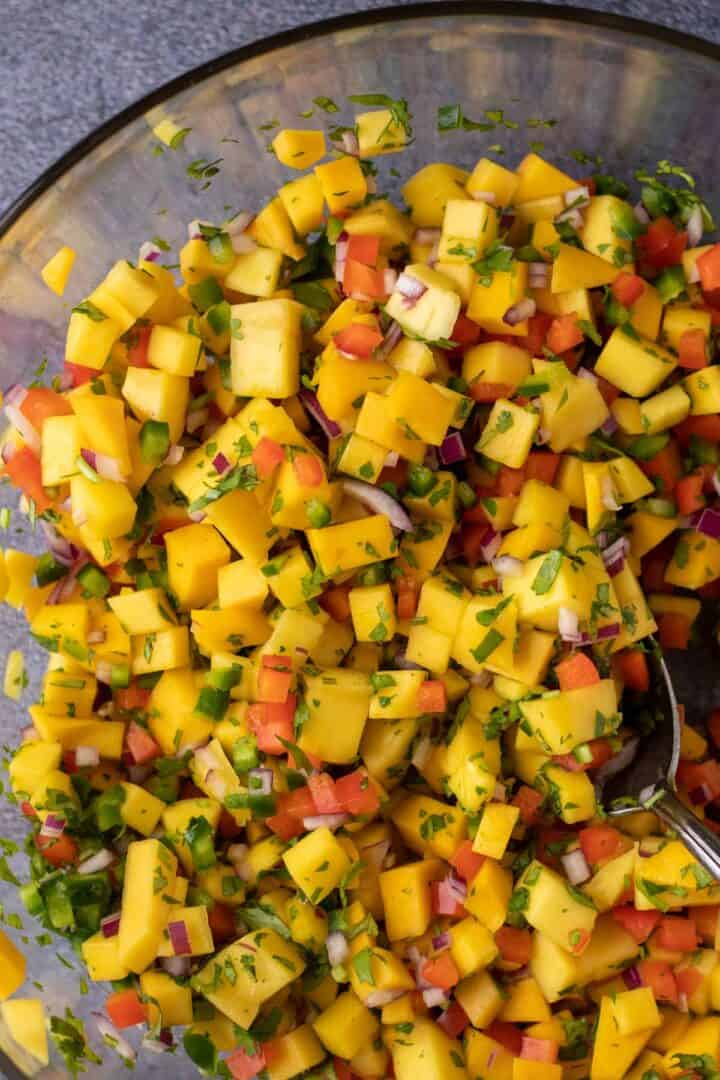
649,778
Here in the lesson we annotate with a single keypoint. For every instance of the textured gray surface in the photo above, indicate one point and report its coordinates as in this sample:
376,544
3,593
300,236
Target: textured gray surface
65,65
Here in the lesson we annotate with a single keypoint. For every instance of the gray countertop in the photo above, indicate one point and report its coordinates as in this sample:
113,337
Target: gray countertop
66,65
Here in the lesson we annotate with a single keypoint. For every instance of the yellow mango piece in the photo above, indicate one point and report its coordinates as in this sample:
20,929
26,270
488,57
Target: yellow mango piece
346,1025
539,179
427,1053
469,228
56,270
634,364
573,268
490,302
299,149
428,191
195,553
27,1023
434,314
378,132
490,178
317,864
429,826
150,871
343,183
265,348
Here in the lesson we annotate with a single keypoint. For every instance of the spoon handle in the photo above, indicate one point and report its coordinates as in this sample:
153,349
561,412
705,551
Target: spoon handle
696,836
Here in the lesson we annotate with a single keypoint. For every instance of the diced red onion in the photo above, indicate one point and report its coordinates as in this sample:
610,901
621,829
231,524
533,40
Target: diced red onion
21,424
404,664
409,287
149,252
239,223
421,752
380,502
631,978
435,997
452,449
488,197
96,637
337,948
568,625
579,196
103,671
30,733
220,463
313,406
641,214
179,938
376,853
614,556
709,523
431,460
264,779
177,966
390,277
341,250
242,243
701,795
392,337
693,273
483,678
194,230
237,853
431,260
694,227
349,143
519,312
683,1005
575,866
15,395
112,1038
427,237
391,459
573,217
441,942
616,764
97,862
325,821
174,455
500,793
110,924
86,756
216,784
8,451
604,633
156,1046
197,515
542,436
195,420
457,887
52,827
378,999
490,545
609,426
538,275
508,566
583,373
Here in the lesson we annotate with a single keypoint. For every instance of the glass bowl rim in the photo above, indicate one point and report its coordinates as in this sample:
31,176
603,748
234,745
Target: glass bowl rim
310,31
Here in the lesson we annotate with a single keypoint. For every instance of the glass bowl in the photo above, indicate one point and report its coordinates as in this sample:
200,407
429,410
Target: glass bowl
633,93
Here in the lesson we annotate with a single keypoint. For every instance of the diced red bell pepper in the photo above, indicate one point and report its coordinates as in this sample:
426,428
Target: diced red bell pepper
141,744
564,333
639,924
25,473
336,601
441,971
608,391
364,249
659,977
342,1069
137,349
324,795
60,852
298,803
246,1066
688,980
228,828
689,492
704,427
308,470
432,696
274,685
132,697
576,672
601,842
486,392
632,668
358,340
708,266
444,901
40,403
510,481
665,468
542,465
407,597
706,921
713,726
364,280
27,809
508,1035
627,288
600,750
529,802
453,1020
673,629
357,794
704,776
662,245
692,350
69,762
267,721
677,934
276,661
533,1049
125,1008
515,944
222,923
473,538
78,374
266,457
466,862
285,826
465,332
538,326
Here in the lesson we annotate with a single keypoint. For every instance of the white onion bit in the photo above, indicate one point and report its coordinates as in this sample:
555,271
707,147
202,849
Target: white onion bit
576,867
695,227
